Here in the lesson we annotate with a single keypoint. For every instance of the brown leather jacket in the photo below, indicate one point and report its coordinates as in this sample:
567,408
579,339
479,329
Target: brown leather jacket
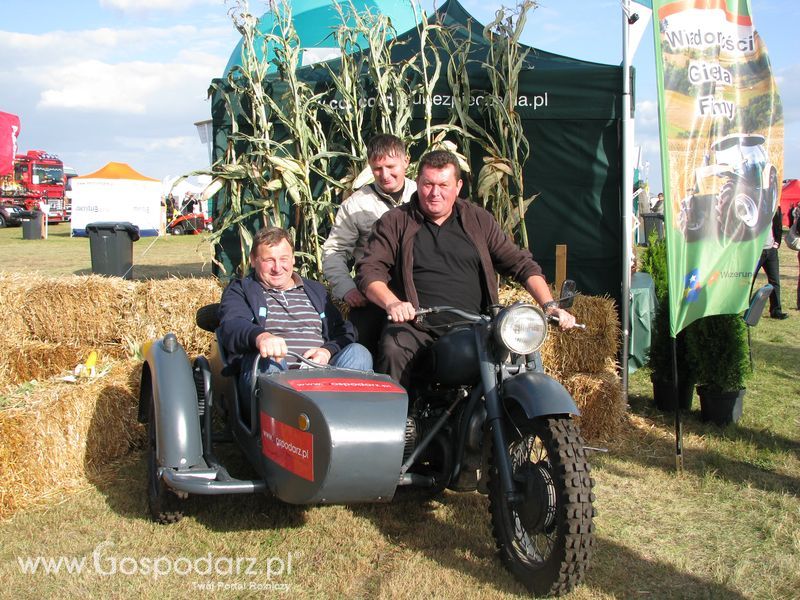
388,255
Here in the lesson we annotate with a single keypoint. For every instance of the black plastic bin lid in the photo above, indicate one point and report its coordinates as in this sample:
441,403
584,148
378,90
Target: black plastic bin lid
129,228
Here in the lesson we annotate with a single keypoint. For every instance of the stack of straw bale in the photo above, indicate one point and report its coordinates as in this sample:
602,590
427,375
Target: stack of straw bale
56,435
584,361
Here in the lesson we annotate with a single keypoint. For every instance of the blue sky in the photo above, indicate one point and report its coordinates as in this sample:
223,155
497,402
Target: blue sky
124,80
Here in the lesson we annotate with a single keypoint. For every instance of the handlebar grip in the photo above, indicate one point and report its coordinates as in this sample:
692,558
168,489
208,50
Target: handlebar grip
555,321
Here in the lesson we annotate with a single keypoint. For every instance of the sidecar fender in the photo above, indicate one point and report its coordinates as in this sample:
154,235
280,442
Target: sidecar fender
167,378
539,395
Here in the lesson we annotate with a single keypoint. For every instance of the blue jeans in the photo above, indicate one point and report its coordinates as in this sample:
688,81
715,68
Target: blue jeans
352,356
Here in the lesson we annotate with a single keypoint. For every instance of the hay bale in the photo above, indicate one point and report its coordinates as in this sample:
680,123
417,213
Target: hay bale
76,310
105,313
34,360
600,400
589,350
13,290
566,353
58,434
170,305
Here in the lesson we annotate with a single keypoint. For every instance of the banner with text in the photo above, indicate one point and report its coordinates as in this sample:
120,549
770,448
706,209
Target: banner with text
720,119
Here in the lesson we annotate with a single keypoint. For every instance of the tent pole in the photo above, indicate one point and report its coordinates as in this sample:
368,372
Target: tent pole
627,195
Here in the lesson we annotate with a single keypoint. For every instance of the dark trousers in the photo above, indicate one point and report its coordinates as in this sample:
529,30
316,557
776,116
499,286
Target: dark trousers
399,346
368,321
798,282
769,262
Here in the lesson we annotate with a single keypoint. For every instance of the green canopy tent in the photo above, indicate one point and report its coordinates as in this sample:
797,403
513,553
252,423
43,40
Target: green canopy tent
571,114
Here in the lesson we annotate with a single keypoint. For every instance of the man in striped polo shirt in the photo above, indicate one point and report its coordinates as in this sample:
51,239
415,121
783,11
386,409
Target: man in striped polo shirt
273,310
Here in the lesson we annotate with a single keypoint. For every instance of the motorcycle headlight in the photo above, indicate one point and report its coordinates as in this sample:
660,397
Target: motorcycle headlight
522,328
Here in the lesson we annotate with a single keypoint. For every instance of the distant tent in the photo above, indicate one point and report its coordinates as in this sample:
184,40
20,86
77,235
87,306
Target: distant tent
571,111
790,194
116,170
116,193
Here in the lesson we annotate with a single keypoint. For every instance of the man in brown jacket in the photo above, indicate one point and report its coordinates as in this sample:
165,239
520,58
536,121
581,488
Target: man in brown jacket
439,250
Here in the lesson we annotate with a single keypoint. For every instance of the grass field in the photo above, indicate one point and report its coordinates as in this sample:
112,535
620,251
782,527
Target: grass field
60,254
728,527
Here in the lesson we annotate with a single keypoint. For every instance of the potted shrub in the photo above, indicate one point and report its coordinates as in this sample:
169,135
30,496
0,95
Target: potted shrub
717,347
654,262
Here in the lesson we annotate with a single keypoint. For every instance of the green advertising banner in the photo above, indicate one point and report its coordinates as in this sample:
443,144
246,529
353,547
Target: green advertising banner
721,150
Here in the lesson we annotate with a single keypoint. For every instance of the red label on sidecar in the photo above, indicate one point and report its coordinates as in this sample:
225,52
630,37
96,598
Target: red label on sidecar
288,446
330,384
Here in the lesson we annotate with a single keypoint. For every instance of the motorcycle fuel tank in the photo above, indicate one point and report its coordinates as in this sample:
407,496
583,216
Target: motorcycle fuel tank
331,435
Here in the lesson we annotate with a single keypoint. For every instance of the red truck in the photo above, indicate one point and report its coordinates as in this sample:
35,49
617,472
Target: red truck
37,176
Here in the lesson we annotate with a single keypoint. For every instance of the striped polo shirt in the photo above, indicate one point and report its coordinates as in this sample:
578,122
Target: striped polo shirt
291,315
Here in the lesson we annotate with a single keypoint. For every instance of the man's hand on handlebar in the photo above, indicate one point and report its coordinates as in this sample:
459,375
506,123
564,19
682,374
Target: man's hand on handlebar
321,356
400,312
271,346
565,319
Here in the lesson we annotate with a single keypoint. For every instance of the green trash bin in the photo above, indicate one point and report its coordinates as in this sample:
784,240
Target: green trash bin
653,222
33,227
111,246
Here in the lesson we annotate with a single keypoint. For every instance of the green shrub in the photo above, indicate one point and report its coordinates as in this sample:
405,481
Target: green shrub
654,261
718,350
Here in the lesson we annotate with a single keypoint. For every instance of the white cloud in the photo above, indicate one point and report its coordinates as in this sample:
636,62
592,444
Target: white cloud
135,87
92,71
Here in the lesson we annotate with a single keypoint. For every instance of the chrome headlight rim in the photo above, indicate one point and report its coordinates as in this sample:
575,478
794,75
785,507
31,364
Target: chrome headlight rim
513,315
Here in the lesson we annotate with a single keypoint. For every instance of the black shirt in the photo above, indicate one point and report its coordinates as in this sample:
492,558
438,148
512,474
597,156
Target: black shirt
447,269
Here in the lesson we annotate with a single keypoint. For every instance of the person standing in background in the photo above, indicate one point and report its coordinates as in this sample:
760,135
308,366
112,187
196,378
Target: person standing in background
388,161
769,262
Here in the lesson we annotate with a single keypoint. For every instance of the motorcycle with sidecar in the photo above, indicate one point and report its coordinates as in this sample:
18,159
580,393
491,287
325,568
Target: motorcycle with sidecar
482,416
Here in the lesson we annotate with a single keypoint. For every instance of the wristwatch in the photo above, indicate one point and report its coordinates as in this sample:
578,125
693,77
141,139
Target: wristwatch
548,305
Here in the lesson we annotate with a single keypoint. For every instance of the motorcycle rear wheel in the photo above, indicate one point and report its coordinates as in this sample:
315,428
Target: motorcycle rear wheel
545,539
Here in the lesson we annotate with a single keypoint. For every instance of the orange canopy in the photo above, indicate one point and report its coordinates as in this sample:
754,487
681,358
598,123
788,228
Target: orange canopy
116,170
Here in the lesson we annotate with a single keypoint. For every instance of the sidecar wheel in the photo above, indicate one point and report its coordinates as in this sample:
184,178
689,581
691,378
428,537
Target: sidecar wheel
162,501
545,538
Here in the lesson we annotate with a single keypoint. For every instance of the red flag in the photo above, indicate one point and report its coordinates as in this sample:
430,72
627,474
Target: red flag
9,130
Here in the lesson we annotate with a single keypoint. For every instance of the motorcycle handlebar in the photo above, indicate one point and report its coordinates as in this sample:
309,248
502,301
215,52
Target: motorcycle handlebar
456,311
475,318
555,321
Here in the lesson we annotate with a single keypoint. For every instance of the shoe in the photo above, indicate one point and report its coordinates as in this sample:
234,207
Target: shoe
778,315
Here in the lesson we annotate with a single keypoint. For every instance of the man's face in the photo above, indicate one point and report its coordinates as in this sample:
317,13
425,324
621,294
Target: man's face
437,190
274,265
389,172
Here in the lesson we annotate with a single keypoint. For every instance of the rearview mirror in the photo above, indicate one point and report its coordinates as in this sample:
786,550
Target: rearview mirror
567,296
753,314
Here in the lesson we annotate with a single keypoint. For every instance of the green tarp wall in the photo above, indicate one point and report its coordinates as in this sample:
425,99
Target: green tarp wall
571,113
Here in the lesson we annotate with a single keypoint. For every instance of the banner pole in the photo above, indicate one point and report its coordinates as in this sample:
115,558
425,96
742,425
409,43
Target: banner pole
627,196
678,427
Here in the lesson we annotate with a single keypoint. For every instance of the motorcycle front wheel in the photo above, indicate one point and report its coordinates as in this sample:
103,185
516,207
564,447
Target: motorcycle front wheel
544,536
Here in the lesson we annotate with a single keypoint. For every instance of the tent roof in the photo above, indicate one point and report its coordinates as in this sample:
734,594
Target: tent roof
116,170
315,23
553,86
791,190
